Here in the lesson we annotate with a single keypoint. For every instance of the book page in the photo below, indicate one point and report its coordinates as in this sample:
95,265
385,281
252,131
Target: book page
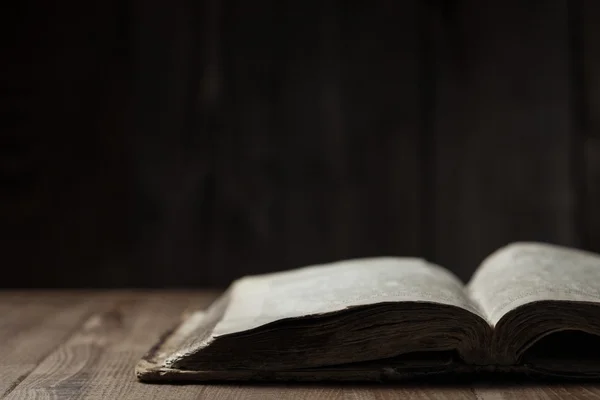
259,300
526,272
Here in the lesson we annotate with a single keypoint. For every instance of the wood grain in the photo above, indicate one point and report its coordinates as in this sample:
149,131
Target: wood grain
96,362
285,133
84,345
33,324
294,157
355,392
503,391
502,129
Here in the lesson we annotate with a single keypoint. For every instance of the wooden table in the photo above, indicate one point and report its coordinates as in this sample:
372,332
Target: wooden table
84,345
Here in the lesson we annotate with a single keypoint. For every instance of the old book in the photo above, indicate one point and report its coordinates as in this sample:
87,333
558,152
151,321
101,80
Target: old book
529,308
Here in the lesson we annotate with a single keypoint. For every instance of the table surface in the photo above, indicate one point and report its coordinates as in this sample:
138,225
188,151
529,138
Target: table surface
85,344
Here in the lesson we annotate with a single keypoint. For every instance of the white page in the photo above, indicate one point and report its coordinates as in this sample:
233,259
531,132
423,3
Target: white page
527,272
262,299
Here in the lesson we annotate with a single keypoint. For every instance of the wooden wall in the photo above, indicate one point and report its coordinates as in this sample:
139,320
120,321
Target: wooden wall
189,144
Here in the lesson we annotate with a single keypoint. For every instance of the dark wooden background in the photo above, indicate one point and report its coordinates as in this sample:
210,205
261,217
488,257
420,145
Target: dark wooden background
146,143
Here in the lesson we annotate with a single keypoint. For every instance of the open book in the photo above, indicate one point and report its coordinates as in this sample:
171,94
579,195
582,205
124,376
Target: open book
529,307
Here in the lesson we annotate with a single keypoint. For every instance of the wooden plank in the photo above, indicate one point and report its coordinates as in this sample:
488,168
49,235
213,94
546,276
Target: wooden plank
378,178
244,230
335,392
518,391
408,392
62,191
350,126
314,143
307,168
174,68
33,324
97,361
590,88
503,159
